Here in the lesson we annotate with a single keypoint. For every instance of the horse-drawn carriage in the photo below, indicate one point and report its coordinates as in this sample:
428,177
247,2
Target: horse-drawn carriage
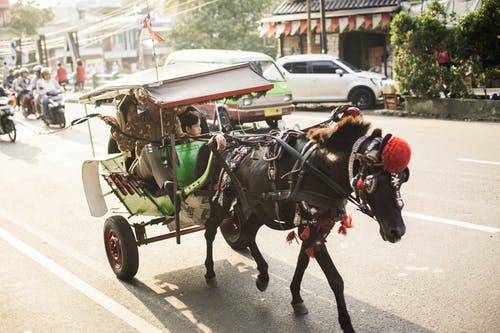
291,179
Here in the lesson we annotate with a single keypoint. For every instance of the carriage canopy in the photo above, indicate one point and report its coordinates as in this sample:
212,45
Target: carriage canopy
184,83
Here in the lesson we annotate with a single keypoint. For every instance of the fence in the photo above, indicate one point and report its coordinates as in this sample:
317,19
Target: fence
96,79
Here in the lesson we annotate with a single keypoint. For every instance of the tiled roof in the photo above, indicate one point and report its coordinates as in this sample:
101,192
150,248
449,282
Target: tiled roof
299,6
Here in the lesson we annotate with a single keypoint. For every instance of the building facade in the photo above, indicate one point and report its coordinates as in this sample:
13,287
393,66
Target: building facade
357,31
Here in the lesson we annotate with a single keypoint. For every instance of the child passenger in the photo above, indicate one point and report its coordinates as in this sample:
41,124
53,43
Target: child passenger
190,122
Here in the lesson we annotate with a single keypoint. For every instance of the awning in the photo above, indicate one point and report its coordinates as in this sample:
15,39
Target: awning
184,83
342,23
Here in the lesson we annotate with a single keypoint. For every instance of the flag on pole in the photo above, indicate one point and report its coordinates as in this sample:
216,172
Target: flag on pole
147,25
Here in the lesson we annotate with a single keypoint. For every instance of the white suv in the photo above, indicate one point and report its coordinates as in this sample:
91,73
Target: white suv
325,78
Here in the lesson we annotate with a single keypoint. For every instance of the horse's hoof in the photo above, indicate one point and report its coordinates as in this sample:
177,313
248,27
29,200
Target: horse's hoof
261,284
211,282
300,309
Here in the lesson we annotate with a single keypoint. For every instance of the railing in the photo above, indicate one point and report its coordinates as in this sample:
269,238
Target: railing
96,79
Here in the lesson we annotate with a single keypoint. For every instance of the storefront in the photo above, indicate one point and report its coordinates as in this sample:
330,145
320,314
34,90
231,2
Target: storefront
357,31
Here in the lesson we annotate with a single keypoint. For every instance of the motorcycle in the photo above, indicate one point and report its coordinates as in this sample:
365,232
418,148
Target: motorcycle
28,105
7,125
56,110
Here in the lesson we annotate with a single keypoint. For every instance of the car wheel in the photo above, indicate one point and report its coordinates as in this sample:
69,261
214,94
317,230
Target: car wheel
362,98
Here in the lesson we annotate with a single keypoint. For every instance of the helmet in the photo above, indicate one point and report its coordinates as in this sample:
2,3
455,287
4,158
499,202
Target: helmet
16,72
45,70
37,68
23,70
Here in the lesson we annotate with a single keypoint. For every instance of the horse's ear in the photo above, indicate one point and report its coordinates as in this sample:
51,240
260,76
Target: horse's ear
377,132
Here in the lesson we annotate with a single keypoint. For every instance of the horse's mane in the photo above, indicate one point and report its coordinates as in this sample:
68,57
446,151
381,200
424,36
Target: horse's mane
340,136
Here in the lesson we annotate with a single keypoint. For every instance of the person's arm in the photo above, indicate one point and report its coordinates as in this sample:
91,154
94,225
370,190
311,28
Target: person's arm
125,143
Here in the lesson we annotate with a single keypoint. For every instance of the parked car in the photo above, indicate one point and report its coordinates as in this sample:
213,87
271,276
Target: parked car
325,78
269,107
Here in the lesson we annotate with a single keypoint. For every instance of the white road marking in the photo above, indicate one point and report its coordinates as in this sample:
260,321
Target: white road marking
456,223
478,161
106,302
461,224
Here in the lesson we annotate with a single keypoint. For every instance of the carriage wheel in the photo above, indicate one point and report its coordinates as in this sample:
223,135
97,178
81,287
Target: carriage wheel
121,248
233,230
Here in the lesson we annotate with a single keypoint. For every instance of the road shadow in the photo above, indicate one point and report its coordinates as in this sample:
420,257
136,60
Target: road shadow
20,150
186,304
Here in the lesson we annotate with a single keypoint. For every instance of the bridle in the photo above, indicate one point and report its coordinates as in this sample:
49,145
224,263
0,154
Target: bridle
365,168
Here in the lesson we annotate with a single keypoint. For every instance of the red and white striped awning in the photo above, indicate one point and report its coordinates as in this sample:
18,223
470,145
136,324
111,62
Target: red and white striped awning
379,21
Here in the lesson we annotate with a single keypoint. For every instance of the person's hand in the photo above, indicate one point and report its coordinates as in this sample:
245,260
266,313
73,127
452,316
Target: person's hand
111,121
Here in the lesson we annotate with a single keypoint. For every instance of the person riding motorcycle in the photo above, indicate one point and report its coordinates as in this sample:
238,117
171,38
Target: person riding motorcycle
44,86
21,86
37,69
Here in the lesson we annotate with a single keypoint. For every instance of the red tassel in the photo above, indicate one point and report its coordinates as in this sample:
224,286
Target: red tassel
291,236
305,233
310,251
361,184
346,223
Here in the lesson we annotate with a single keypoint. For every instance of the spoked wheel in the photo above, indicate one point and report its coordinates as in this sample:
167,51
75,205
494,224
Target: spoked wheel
10,129
232,229
121,248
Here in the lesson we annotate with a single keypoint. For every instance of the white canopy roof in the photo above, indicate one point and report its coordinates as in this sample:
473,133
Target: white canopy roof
184,83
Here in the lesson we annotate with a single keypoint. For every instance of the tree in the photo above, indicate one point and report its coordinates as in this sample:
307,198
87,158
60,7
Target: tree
476,39
417,40
220,24
26,18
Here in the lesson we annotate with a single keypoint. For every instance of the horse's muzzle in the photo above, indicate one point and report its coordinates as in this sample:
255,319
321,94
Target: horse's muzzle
393,234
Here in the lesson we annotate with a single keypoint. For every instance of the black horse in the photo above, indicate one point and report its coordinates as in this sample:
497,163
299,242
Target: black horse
297,179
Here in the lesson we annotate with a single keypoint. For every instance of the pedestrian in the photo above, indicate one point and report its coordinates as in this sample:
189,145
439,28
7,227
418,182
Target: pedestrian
61,76
5,70
80,76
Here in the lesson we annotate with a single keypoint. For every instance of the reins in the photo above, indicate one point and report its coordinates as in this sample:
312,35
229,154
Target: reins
81,120
328,181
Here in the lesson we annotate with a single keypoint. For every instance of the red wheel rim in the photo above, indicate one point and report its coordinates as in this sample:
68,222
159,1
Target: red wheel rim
114,249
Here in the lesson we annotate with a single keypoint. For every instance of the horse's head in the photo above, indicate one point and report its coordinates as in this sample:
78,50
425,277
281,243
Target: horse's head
377,169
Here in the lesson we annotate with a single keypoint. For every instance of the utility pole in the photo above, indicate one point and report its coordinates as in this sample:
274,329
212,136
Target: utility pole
309,48
324,48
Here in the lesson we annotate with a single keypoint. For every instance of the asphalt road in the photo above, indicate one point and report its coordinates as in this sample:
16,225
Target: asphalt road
444,276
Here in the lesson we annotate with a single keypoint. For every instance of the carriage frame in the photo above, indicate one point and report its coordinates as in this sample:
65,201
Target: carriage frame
168,87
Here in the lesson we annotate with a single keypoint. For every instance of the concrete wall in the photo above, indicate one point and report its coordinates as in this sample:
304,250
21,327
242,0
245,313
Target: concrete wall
450,108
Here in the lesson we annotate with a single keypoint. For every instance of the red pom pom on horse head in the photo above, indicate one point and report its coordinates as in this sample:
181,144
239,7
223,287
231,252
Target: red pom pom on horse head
396,155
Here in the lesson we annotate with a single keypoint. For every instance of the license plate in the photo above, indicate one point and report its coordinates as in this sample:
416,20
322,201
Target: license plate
272,112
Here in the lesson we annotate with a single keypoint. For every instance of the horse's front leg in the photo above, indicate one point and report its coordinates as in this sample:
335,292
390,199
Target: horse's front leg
254,225
216,214
297,302
210,232
337,284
